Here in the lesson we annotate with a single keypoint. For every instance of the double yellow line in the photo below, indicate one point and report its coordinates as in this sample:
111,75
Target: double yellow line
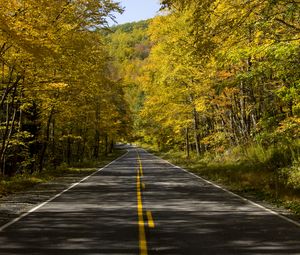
141,222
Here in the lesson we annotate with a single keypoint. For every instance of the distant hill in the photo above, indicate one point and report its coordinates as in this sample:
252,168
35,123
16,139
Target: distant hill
129,27
130,41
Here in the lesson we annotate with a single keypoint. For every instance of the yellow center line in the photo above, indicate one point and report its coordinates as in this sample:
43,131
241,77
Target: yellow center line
142,234
150,220
140,168
141,171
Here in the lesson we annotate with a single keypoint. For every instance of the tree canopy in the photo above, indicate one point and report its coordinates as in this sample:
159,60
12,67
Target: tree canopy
204,76
58,101
223,74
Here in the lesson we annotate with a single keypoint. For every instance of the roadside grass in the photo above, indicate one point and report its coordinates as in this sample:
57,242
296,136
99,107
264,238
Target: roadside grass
246,176
23,182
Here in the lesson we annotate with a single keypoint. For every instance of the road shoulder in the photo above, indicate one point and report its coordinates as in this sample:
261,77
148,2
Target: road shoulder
14,205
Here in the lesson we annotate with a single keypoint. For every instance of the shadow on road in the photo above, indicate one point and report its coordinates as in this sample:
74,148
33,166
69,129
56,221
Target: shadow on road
99,216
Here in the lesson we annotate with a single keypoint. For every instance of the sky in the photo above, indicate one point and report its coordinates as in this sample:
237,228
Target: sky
136,10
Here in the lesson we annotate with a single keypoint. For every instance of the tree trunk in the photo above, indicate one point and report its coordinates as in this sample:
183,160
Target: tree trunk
96,144
53,145
187,142
45,142
97,132
69,153
8,130
111,147
106,145
196,131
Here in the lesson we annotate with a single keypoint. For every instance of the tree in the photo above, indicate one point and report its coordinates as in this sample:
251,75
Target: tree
50,51
232,64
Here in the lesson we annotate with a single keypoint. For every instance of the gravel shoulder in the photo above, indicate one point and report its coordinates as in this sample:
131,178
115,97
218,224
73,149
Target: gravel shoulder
14,205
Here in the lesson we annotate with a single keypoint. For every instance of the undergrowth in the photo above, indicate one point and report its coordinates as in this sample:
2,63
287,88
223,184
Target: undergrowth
22,182
271,174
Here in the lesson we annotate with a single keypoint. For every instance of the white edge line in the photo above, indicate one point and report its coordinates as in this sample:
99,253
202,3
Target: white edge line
56,196
231,193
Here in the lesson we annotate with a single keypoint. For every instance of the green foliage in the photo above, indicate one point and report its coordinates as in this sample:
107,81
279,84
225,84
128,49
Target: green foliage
272,158
129,48
129,41
291,174
18,183
248,173
129,28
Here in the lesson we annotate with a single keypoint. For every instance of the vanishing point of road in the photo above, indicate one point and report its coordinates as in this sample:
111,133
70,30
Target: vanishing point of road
141,204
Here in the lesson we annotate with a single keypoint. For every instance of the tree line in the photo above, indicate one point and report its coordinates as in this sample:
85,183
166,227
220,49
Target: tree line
58,102
224,73
203,77
217,75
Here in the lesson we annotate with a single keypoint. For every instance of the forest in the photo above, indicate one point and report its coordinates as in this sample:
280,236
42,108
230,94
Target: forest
214,85
59,102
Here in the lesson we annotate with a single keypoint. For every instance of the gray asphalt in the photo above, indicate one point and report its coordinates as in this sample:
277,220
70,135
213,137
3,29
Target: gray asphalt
191,216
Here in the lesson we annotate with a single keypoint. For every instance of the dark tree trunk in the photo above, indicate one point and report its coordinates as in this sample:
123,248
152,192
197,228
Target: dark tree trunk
45,142
106,145
96,144
196,131
69,152
187,142
111,146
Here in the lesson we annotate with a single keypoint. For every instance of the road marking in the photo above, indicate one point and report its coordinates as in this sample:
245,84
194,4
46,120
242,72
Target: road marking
150,220
141,171
56,196
140,165
231,193
141,223
244,199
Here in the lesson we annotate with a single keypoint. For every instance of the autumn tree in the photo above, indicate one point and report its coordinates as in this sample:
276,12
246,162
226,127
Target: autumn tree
53,58
233,65
130,45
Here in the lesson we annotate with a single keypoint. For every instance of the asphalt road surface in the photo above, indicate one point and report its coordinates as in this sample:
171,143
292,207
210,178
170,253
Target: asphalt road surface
140,204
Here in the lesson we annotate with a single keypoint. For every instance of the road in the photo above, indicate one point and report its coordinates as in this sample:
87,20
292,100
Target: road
140,204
